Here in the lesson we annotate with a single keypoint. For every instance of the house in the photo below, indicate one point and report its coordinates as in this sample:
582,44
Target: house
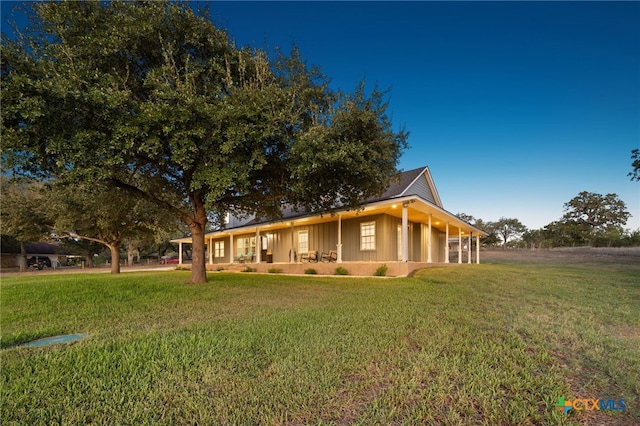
404,228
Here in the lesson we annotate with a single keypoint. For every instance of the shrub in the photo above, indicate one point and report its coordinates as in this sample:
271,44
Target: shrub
381,271
248,269
274,270
341,271
310,271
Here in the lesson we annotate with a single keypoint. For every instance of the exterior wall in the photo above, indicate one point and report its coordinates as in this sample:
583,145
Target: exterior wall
324,238
421,188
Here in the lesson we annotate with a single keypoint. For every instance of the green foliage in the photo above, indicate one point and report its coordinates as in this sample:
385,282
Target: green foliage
508,228
310,271
24,207
635,173
341,271
274,270
381,271
153,98
596,212
248,269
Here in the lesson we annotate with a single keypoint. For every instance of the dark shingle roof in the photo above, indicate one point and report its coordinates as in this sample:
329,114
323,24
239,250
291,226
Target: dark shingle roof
396,189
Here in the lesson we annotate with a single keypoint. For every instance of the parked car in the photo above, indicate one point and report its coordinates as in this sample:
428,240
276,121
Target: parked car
169,259
39,262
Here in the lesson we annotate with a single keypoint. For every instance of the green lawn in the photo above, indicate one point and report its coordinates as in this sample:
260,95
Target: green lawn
481,344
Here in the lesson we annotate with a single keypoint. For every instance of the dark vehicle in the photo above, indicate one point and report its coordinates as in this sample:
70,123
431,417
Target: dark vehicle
39,262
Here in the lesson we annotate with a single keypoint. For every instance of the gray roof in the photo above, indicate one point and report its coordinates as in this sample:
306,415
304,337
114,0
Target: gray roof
396,189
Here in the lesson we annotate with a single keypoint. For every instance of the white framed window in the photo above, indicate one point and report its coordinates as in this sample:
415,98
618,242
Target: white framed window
303,241
368,236
218,248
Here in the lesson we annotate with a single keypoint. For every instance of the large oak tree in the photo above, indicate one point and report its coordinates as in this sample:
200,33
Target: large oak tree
596,213
153,98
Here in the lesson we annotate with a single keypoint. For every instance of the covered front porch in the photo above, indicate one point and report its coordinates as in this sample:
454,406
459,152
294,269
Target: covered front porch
402,233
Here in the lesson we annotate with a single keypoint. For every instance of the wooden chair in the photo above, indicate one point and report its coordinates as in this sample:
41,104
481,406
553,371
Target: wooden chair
311,257
332,256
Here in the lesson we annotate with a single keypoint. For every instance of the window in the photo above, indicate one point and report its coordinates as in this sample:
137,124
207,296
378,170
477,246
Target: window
218,248
368,236
303,242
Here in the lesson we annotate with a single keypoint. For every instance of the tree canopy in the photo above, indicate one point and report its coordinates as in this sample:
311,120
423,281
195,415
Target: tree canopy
635,173
154,99
596,213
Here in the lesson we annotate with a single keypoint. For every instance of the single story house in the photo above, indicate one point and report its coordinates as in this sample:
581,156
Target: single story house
406,225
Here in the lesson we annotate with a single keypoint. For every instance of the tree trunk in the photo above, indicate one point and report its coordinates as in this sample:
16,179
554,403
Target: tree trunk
88,261
198,224
115,258
198,265
130,254
22,261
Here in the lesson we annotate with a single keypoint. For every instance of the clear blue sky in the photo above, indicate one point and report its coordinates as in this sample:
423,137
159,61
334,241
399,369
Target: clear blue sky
516,107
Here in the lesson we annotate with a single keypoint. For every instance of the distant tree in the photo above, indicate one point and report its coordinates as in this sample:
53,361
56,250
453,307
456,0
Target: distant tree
635,173
22,214
95,212
490,240
596,213
532,238
508,228
155,99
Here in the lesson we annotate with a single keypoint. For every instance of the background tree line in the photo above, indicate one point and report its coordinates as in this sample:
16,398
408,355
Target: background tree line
589,219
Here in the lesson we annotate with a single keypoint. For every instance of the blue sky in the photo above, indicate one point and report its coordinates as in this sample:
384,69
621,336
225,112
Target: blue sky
516,107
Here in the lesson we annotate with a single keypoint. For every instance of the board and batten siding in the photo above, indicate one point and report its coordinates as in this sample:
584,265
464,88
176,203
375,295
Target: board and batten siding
421,188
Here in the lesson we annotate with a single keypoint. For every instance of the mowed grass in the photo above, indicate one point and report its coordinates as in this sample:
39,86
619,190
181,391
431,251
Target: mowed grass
479,344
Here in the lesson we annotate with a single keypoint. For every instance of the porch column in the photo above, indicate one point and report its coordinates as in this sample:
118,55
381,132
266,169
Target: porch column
469,248
339,245
459,245
292,252
405,232
258,246
478,249
446,244
429,258
210,251
231,257
180,253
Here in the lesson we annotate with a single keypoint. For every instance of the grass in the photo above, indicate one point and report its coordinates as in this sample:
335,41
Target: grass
485,344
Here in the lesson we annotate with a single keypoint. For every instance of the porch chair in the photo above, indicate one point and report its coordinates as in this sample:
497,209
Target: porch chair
311,257
332,256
